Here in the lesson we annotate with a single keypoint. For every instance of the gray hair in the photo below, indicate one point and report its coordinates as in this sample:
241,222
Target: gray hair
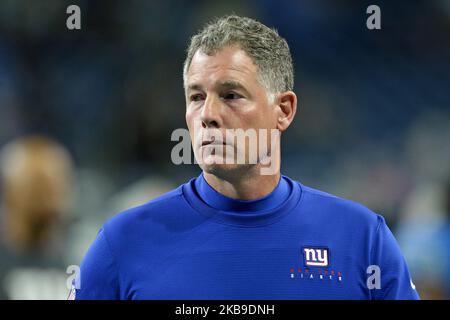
267,49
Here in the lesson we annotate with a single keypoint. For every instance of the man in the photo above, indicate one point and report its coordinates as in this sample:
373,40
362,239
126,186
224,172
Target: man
35,204
237,232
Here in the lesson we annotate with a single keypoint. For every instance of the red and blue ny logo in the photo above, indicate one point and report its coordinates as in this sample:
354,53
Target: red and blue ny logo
316,256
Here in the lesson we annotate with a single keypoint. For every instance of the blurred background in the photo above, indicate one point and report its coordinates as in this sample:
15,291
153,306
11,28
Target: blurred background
86,118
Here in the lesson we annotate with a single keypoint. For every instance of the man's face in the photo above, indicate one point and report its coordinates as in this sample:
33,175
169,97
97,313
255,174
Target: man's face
223,92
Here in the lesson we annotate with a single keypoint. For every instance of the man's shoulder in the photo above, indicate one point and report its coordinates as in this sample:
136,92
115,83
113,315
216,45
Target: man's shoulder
335,207
148,212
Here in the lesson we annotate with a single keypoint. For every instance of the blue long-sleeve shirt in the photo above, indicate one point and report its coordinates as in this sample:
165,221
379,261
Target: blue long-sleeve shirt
295,243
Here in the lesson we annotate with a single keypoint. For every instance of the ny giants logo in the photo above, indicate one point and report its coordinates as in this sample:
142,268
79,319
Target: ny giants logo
315,256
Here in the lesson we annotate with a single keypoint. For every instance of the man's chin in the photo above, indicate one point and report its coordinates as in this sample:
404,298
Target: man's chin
216,167
220,169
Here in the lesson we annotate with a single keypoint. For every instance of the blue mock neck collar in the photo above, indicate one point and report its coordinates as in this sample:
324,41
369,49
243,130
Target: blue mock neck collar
219,201
254,213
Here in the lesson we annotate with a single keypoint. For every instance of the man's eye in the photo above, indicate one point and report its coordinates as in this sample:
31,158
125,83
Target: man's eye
196,97
231,96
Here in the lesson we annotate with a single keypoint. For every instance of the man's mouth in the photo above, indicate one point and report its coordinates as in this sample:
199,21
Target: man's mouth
212,142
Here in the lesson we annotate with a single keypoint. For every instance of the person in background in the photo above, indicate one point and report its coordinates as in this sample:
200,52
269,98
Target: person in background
35,189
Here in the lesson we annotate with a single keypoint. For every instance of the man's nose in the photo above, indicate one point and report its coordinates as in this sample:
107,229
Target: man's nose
211,113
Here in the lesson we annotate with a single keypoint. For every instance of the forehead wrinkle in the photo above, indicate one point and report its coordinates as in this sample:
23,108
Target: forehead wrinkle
219,80
236,60
213,69
206,70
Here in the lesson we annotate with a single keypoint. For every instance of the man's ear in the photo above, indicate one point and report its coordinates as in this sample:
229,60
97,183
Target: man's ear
287,107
